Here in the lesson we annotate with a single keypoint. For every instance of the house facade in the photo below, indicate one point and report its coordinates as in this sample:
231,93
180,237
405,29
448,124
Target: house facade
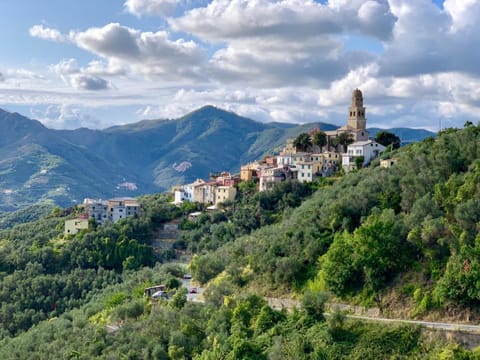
73,226
111,210
368,150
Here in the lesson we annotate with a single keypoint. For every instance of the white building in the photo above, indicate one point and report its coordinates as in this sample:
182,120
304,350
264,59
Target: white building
195,192
369,150
120,208
305,171
111,210
97,210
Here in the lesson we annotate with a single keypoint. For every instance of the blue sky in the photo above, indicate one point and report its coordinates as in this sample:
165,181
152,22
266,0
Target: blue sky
97,63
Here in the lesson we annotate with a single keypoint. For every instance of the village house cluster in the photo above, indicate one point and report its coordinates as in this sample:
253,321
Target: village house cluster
304,165
102,211
290,163
218,189
319,161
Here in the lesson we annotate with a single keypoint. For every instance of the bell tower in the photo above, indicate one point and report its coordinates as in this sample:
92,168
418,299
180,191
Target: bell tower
356,118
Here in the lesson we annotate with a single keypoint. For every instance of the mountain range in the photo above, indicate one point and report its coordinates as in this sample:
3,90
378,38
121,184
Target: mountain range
39,164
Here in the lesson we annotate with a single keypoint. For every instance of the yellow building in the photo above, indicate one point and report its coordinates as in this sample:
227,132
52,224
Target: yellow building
73,226
225,193
249,172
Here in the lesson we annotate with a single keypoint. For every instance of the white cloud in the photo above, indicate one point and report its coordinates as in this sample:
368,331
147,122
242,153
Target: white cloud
112,67
66,67
151,7
143,52
65,117
284,60
288,19
79,78
89,82
287,42
46,33
428,39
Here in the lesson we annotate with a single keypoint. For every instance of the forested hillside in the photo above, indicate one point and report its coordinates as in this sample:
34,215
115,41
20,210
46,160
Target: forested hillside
406,236
413,227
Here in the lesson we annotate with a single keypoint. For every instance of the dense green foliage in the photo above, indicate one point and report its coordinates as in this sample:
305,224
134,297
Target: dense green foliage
250,211
410,231
28,214
387,138
43,273
302,142
373,227
119,323
319,138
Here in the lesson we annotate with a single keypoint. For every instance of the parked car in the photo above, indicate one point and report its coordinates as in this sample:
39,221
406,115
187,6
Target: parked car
160,295
187,276
193,290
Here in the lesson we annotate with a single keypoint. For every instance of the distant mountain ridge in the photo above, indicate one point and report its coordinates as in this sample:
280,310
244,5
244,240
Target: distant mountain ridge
39,164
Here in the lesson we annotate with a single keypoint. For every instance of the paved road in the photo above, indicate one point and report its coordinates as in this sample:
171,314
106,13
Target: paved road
192,297
427,324
277,303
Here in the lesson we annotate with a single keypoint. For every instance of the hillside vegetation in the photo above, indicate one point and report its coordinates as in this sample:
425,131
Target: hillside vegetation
381,237
414,226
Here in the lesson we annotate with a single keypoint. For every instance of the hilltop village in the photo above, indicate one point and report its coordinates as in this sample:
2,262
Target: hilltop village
305,158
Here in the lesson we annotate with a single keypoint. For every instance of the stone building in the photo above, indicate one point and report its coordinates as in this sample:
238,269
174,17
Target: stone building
356,122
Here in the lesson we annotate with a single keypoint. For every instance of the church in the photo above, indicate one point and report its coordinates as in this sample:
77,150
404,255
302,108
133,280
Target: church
356,123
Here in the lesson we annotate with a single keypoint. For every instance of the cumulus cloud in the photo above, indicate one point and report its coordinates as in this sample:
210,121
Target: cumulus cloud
149,7
144,52
65,117
287,19
111,40
89,82
112,67
286,60
46,33
287,42
79,78
428,39
66,67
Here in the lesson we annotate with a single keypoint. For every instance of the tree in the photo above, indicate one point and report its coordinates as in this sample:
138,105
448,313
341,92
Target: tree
387,138
320,139
359,160
344,138
314,304
302,141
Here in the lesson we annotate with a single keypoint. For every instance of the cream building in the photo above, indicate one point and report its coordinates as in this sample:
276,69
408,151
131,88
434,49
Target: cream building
73,226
